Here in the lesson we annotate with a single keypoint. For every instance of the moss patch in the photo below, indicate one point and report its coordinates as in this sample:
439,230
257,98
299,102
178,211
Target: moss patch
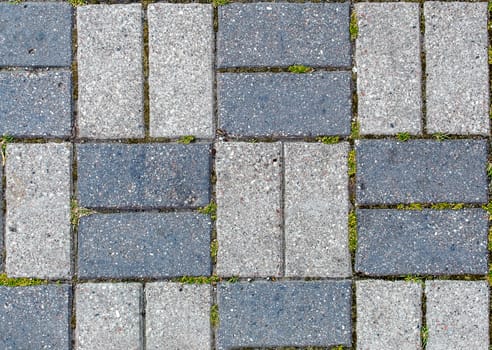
77,212
75,3
447,206
217,3
411,206
328,140
186,140
300,69
403,136
210,209
352,227
214,249
214,315
354,27
20,282
351,163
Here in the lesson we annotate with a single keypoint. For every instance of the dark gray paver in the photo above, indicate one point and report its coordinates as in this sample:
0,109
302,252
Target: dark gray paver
436,242
36,103
291,313
284,104
426,171
36,34
143,175
35,317
129,245
276,34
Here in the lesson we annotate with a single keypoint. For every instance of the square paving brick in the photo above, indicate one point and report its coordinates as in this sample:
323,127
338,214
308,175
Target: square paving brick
291,313
283,34
143,175
457,84
177,316
110,71
181,43
284,104
316,210
388,68
421,171
144,245
37,229
36,34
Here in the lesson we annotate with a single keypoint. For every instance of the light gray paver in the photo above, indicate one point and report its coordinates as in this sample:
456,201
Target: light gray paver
457,84
388,68
457,315
181,41
316,210
177,316
110,75
38,238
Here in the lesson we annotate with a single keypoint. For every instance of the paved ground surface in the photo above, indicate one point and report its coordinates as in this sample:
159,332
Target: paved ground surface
344,206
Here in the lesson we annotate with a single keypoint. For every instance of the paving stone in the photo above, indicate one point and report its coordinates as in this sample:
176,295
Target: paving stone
177,316
284,104
316,210
388,68
457,83
276,34
427,242
457,315
291,313
109,316
36,34
144,245
110,71
248,209
181,43
388,315
425,171
143,175
37,230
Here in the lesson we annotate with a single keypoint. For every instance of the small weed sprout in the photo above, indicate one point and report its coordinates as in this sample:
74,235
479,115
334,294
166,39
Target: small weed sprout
328,140
186,140
489,170
440,136
300,69
424,334
210,209
403,136
6,139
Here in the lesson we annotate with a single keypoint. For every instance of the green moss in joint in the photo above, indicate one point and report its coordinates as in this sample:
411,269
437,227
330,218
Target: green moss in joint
6,139
186,139
214,249
210,209
403,136
447,206
75,3
352,227
414,279
214,315
411,206
488,207
197,279
77,212
424,336
354,27
300,69
352,167
354,134
328,140
440,136
217,3
489,170
20,282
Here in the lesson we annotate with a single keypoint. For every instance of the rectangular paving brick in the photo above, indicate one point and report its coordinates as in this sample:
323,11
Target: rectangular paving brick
427,242
316,210
283,34
143,175
457,83
181,43
110,71
248,209
388,68
144,245
37,229
425,171
284,104
291,313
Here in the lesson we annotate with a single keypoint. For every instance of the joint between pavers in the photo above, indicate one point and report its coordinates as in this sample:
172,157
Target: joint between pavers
145,68
423,78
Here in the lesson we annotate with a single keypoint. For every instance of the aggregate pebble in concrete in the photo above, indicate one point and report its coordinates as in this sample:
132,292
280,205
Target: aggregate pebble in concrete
388,68
284,104
421,171
292,313
138,245
457,315
177,316
143,175
38,237
248,209
457,84
316,210
110,73
181,42
283,34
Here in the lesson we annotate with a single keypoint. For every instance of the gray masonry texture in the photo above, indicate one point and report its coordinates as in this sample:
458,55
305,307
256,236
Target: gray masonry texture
316,210
143,175
35,34
109,316
425,171
248,209
35,317
144,245
37,229
177,316
110,71
457,83
388,68
284,104
291,313
181,44
457,315
283,34
388,315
